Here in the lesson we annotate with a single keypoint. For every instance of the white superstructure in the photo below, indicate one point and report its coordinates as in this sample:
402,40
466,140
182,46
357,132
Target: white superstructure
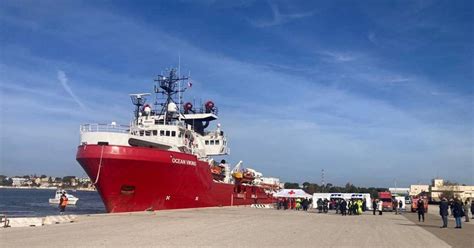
164,126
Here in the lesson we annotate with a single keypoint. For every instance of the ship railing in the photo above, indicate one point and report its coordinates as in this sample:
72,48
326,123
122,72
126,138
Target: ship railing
100,127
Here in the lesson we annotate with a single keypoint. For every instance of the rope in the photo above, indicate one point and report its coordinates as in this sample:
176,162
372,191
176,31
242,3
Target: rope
100,166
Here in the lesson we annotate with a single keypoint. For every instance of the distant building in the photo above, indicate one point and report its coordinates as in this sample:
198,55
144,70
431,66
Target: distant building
18,181
400,191
45,180
438,188
37,181
73,182
84,180
418,188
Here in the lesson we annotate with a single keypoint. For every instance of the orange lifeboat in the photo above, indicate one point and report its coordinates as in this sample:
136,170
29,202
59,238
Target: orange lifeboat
217,172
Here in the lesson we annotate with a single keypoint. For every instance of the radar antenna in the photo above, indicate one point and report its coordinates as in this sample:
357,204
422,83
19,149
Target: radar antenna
138,100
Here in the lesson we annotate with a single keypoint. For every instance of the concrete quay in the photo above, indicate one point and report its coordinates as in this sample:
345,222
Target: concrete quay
228,227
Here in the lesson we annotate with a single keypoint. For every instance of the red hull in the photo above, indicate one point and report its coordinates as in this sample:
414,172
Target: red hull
138,179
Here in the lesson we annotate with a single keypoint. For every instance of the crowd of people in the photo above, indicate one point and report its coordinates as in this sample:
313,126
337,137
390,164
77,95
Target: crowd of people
341,206
458,210
454,207
293,203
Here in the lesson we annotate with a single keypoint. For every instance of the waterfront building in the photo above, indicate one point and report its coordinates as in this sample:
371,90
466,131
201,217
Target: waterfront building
18,181
439,187
418,188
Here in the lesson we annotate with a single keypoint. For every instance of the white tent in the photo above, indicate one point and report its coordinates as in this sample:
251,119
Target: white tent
292,193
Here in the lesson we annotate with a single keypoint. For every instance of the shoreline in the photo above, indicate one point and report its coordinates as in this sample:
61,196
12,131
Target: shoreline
46,188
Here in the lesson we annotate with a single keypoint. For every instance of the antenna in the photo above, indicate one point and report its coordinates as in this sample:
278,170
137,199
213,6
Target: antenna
138,100
179,86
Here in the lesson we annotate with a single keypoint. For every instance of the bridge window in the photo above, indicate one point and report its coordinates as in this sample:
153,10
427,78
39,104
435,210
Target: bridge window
148,133
155,132
173,133
167,133
207,142
212,142
217,142
162,133
141,133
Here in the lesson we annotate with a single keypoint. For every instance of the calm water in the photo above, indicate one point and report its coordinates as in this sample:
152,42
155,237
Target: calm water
34,202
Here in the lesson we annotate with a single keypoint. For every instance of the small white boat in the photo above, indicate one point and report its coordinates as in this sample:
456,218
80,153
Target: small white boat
71,200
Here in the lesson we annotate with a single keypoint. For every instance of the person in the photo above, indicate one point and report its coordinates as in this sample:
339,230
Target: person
451,206
400,206
472,209
349,207
364,205
359,207
298,204
338,205
325,206
63,203
467,207
420,208
320,205
443,211
374,206
458,213
343,206
379,206
395,205
354,207
304,204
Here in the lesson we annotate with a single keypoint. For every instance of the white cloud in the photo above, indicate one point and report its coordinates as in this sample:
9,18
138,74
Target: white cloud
63,80
278,18
372,38
338,57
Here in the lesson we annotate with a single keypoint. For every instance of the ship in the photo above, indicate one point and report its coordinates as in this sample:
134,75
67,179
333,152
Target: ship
166,158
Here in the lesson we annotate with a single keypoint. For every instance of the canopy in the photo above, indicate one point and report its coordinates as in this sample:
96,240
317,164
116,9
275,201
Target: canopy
292,193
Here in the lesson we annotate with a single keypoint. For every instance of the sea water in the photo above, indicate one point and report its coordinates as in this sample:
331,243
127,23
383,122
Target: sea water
35,202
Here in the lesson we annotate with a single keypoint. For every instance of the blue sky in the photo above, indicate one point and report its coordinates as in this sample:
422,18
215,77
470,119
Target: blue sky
374,92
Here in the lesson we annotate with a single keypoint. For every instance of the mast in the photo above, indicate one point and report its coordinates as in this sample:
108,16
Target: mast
170,86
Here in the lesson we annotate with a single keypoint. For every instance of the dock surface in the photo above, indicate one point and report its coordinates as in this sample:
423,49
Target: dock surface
231,227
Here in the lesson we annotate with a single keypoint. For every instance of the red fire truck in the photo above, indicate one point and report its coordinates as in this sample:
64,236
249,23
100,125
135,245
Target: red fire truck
414,202
386,198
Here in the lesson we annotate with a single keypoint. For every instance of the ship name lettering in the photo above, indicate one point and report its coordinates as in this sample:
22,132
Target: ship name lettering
182,161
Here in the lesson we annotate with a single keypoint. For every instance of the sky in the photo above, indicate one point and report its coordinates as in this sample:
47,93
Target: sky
376,93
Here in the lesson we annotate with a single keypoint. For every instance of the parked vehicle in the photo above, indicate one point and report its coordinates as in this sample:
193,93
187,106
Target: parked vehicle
414,202
386,198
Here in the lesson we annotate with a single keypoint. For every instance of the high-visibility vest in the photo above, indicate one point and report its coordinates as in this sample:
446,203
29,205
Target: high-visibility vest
64,203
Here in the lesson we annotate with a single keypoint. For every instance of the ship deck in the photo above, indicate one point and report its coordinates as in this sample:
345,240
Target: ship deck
238,227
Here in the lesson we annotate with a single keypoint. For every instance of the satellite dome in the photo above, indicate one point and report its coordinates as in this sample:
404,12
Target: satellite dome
172,107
